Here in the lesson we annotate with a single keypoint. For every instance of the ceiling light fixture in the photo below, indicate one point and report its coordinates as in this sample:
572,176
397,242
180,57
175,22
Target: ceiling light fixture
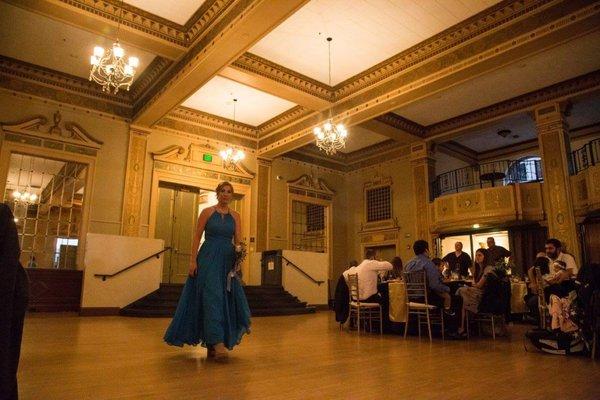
230,155
330,137
25,197
109,68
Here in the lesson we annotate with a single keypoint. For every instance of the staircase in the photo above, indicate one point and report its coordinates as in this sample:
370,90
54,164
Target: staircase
263,301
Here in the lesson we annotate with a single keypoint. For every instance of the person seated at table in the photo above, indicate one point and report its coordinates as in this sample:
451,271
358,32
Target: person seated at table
421,262
472,295
458,260
496,253
367,272
396,272
563,270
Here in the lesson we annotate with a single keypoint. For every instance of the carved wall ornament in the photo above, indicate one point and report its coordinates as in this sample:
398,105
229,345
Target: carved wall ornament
193,157
66,136
312,183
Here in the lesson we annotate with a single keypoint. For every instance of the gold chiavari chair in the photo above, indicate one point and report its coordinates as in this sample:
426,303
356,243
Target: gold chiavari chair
363,312
417,303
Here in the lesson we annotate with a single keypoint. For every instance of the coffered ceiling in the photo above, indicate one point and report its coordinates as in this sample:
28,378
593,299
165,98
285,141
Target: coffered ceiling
179,11
364,32
401,69
43,41
253,106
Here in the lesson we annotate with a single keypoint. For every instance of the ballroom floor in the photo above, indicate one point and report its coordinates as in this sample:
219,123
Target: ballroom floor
299,357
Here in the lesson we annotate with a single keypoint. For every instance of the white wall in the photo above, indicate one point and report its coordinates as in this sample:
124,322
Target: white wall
314,264
106,254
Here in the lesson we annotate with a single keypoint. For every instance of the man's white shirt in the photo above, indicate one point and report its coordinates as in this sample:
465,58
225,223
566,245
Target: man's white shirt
367,276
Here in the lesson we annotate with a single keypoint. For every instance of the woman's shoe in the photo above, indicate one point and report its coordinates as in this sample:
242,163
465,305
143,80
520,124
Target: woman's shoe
221,353
210,352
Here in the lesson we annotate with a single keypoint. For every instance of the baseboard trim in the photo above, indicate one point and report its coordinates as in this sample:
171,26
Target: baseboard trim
98,311
320,307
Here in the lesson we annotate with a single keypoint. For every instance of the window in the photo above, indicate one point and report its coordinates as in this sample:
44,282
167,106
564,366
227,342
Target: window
379,204
527,169
308,227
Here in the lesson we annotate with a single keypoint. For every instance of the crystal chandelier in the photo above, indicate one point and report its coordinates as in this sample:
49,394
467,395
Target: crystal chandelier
26,197
330,137
231,156
109,68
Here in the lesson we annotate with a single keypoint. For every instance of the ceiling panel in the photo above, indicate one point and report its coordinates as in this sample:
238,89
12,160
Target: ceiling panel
359,138
43,41
178,11
364,32
577,57
253,106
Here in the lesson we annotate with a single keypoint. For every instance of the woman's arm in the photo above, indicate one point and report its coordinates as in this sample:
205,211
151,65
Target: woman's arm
481,283
200,225
237,238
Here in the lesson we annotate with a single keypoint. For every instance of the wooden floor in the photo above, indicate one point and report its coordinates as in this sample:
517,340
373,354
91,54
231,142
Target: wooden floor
298,357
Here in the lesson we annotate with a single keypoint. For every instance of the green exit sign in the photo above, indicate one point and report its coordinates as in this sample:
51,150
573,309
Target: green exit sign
207,157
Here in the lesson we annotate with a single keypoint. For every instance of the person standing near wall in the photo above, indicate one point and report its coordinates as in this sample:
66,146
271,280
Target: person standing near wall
13,304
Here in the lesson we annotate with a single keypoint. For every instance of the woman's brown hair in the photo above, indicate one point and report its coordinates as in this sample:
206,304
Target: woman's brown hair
222,185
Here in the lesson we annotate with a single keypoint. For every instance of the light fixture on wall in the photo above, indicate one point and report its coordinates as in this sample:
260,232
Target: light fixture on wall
109,68
230,155
330,137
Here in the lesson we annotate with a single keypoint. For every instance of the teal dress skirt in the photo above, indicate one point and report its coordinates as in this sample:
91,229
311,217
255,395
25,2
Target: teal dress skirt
212,308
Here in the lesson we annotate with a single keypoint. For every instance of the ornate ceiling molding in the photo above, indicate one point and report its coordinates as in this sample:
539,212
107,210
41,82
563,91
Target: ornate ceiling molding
213,122
260,66
157,67
134,18
398,122
281,120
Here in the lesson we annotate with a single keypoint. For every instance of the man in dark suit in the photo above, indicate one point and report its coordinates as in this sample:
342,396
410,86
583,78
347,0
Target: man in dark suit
13,304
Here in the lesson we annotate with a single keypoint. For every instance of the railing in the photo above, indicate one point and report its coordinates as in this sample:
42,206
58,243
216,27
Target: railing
487,174
288,262
586,156
157,255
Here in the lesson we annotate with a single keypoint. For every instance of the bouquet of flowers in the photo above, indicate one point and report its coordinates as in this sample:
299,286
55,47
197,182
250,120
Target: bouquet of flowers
236,272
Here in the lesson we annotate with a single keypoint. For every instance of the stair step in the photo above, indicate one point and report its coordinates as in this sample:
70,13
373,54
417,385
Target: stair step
263,301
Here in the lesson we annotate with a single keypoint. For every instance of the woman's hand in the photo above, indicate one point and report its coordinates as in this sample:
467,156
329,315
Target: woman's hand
193,269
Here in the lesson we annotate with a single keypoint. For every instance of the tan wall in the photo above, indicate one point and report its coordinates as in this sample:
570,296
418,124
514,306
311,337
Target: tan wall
289,170
403,204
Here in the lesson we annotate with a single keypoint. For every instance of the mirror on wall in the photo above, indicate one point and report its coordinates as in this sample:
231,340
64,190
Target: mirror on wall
46,198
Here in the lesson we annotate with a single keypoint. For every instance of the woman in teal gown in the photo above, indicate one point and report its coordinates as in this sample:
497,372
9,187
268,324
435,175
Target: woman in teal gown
213,309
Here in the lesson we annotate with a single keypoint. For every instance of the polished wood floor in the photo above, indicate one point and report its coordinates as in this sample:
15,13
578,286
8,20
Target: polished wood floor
299,357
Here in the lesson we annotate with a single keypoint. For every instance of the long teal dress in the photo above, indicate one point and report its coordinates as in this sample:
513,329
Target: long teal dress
212,310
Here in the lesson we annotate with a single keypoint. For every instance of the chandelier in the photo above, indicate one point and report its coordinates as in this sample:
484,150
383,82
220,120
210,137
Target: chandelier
231,156
25,197
330,137
109,68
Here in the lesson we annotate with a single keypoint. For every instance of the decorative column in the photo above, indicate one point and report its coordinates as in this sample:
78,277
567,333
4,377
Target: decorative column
423,173
263,188
134,181
555,151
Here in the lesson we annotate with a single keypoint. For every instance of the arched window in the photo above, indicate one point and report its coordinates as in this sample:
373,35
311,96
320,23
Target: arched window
526,169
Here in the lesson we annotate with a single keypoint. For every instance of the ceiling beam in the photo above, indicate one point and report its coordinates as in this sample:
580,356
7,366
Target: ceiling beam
395,127
261,74
505,41
239,28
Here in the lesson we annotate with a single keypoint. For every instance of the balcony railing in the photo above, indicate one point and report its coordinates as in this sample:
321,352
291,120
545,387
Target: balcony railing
496,173
586,156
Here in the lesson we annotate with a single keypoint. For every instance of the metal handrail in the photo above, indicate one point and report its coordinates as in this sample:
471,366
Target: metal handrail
157,255
288,262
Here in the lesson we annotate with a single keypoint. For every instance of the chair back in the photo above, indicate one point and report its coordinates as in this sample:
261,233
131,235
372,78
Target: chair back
416,286
353,287
540,287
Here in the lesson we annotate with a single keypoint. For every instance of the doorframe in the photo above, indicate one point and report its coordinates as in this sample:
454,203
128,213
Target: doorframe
203,183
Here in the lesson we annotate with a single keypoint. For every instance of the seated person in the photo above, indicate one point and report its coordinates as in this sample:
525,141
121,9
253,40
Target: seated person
472,295
367,272
435,283
563,270
396,272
